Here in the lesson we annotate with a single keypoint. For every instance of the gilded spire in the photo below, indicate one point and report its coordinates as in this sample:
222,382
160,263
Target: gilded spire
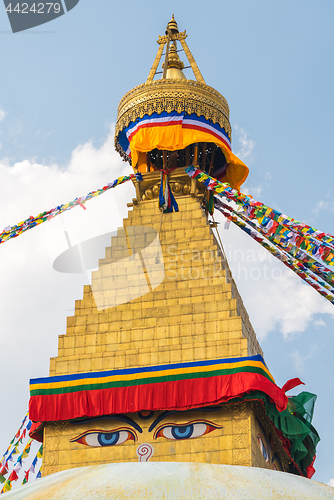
172,27
173,58
172,67
172,35
174,64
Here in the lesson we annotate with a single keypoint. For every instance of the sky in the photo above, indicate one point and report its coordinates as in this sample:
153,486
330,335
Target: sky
59,91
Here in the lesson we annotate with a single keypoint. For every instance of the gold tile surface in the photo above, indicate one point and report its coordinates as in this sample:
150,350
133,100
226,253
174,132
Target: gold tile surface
195,313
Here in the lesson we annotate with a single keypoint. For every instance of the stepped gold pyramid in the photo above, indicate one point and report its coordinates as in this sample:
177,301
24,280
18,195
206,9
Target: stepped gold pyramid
195,314
139,374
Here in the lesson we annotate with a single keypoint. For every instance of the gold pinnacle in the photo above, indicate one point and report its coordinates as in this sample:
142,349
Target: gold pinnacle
172,26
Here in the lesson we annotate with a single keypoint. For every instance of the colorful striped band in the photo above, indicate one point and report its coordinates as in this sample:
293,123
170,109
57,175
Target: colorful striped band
165,119
174,386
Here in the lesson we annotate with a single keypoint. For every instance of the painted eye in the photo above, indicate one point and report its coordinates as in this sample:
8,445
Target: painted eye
186,431
263,448
276,463
102,438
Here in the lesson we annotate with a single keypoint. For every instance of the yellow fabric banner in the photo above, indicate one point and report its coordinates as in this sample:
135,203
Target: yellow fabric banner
174,137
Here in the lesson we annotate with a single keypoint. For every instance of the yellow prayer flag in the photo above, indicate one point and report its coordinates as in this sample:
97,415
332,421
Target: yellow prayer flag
7,486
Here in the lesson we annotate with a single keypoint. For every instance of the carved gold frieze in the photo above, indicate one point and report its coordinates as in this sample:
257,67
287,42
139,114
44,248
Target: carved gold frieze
241,457
240,426
177,187
52,444
173,95
239,410
179,181
178,36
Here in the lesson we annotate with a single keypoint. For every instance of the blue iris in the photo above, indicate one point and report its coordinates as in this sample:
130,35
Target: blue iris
182,432
108,439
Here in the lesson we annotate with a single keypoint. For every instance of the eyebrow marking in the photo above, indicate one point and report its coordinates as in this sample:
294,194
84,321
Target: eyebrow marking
121,418
161,417
167,413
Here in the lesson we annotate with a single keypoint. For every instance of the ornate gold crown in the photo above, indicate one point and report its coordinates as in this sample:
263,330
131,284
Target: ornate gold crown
173,92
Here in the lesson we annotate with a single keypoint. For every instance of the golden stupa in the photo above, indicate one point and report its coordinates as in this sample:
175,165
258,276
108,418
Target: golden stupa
160,321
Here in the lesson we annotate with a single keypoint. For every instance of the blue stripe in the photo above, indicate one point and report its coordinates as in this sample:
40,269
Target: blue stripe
128,371
124,142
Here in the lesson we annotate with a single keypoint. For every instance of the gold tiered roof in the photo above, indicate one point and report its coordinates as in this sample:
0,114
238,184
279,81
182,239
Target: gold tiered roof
173,92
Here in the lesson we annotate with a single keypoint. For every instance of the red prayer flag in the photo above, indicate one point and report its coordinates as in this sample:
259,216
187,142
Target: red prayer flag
13,476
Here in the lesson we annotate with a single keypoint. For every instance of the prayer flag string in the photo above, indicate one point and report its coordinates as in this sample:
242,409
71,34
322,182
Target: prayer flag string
294,243
14,231
13,472
281,255
284,229
305,262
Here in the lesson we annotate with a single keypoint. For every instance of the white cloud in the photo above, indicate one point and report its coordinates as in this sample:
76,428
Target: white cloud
246,145
2,114
35,299
319,322
299,360
245,153
32,187
284,301
273,295
323,205
331,482
254,191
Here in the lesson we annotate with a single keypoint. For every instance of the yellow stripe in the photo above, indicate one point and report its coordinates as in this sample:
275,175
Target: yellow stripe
143,375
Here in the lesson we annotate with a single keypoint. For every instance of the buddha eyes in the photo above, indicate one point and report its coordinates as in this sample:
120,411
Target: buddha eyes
186,431
263,448
96,438
102,438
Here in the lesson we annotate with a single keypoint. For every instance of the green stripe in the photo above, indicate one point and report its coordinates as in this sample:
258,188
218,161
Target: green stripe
145,381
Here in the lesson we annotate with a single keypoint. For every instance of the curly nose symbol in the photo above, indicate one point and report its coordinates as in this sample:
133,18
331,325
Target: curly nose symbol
144,452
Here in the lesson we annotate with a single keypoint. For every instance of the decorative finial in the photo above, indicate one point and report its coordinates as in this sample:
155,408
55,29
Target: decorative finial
173,58
172,26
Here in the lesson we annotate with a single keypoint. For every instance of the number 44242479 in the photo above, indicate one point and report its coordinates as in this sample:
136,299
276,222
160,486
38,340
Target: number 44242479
36,8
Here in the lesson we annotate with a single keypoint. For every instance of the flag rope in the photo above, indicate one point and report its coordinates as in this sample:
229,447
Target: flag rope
16,230
291,241
13,449
281,255
284,229
302,260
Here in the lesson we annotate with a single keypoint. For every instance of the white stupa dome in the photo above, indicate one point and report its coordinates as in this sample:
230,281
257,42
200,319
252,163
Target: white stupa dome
171,481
